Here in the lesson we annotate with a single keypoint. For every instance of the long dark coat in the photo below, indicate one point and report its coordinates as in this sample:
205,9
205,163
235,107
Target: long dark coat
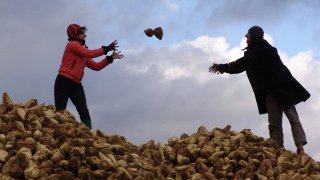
267,74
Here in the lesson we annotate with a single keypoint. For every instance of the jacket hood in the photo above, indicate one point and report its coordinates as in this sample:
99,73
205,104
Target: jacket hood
72,31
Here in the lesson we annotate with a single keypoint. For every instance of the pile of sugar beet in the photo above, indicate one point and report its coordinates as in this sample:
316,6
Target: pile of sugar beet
36,142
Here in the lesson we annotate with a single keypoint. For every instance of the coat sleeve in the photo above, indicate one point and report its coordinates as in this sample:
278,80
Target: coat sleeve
97,66
85,52
238,65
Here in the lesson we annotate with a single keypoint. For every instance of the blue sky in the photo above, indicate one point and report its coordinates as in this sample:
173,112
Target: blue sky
162,88
292,24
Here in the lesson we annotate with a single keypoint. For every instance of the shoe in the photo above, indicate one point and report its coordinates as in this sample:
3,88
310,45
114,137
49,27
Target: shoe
300,150
87,123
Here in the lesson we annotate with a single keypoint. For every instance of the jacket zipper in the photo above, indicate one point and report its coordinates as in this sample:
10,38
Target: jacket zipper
73,63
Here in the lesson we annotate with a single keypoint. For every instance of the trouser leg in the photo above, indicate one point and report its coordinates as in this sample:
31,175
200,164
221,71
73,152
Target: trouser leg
78,98
296,127
62,89
275,120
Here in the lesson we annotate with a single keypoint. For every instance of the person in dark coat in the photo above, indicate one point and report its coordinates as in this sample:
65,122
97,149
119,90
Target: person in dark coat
275,89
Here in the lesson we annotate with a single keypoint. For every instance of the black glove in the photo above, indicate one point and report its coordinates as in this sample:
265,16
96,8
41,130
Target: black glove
108,48
110,59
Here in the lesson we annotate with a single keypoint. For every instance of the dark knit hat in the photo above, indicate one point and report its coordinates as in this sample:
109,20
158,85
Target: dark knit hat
256,32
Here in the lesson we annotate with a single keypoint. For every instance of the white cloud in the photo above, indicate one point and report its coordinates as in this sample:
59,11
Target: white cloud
210,45
173,5
173,73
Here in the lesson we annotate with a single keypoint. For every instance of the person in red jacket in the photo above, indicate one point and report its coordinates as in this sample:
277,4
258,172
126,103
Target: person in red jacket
75,58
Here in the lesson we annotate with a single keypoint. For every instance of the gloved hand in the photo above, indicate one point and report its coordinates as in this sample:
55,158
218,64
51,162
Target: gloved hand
110,47
110,59
115,55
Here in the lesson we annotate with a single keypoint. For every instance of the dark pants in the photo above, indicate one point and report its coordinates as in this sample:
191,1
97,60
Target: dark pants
275,112
64,89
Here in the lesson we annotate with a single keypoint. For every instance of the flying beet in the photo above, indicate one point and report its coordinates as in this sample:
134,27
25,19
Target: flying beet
149,32
158,32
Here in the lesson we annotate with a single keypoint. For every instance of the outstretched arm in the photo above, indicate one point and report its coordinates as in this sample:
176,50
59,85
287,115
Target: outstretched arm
219,68
102,64
82,51
233,67
238,66
97,66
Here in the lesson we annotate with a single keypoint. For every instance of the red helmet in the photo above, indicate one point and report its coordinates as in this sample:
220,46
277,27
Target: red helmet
74,30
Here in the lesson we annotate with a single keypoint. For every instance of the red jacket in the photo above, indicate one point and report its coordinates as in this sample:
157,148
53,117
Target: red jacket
76,57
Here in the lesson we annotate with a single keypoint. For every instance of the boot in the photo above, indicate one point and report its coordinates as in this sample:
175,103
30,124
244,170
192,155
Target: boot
300,149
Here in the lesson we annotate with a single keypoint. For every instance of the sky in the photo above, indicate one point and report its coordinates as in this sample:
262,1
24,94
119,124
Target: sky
162,88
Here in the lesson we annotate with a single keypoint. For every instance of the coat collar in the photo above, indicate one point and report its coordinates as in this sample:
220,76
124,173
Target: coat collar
254,43
81,41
